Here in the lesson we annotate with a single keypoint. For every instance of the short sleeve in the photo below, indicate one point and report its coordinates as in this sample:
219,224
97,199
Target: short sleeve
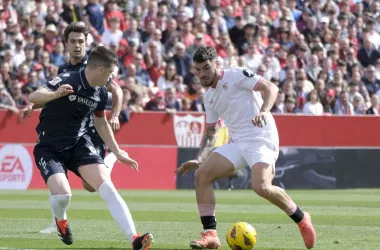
212,118
103,100
54,83
250,80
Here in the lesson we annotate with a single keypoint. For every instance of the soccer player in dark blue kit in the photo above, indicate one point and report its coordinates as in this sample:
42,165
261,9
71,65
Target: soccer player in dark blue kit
76,42
64,144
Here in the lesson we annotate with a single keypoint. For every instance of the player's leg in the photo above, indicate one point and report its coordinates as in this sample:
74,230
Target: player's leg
109,161
98,177
220,164
52,228
262,159
52,169
91,168
262,176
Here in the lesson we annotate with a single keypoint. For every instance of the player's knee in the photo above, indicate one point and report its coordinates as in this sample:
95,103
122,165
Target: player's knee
262,189
202,177
61,200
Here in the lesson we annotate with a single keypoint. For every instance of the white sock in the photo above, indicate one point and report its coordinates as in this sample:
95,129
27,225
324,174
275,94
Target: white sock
118,208
52,212
110,160
52,216
59,204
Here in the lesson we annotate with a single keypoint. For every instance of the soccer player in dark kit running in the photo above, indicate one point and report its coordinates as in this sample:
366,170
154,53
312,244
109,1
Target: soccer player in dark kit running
76,42
64,144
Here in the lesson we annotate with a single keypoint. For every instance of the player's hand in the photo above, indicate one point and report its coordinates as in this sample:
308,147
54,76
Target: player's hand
187,166
114,123
64,90
27,111
123,157
260,119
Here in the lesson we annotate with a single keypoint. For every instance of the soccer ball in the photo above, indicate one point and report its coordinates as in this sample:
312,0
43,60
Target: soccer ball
241,236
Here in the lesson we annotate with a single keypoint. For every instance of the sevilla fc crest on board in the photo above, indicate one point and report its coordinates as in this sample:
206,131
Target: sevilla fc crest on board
188,130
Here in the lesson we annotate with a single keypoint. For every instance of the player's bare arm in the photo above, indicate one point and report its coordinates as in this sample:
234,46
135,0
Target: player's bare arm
269,91
105,132
117,101
42,95
207,147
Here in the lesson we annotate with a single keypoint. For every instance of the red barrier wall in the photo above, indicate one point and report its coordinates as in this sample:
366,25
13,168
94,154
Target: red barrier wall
158,129
153,138
19,171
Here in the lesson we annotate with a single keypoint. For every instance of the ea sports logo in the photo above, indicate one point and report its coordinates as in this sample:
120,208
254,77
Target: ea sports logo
16,167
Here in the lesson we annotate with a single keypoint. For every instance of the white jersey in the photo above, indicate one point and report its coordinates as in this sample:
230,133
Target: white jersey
235,100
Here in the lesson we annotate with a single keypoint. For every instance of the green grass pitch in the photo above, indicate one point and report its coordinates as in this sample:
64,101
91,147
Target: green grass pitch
344,219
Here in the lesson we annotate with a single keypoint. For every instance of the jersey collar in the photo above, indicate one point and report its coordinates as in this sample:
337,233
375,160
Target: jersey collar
83,80
83,61
220,78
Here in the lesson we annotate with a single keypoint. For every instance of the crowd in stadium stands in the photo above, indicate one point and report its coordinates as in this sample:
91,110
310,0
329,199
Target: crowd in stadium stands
323,54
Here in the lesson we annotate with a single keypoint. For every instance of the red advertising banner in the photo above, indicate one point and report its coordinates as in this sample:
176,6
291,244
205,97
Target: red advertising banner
156,169
153,139
186,129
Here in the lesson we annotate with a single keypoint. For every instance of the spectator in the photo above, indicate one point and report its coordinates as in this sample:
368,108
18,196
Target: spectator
368,55
93,14
158,103
374,109
291,106
33,83
358,107
20,99
313,106
253,57
154,65
329,102
279,105
182,60
113,35
371,83
343,106
133,34
313,69
186,104
167,80
306,45
197,104
6,100
172,103
112,13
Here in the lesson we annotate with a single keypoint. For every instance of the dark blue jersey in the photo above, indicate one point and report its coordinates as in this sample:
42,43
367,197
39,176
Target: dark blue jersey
64,120
68,67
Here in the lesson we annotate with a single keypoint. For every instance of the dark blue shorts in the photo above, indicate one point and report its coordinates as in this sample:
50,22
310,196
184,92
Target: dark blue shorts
99,145
51,162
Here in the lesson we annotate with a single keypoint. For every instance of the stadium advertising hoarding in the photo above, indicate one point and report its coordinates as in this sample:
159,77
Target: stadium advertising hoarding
316,152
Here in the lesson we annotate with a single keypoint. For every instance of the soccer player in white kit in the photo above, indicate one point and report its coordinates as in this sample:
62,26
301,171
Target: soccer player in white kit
243,100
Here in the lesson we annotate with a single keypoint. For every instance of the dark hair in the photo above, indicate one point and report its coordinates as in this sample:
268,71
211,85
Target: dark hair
101,56
204,53
76,27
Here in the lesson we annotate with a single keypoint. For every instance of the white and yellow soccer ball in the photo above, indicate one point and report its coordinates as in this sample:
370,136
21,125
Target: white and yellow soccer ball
241,236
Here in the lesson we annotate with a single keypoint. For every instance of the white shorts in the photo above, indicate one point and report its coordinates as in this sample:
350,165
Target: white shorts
244,153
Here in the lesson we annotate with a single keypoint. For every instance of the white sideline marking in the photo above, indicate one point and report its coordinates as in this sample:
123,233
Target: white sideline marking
6,248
